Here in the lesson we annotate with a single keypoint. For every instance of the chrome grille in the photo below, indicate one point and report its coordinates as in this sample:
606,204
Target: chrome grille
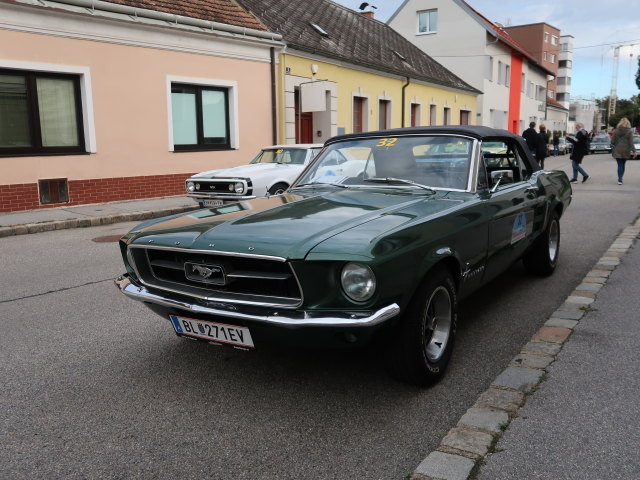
218,277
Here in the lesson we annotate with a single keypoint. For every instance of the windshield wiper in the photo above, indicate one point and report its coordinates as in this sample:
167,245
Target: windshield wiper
318,183
398,180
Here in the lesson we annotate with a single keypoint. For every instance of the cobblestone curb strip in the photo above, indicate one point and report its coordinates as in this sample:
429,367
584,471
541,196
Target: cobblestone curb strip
91,221
462,451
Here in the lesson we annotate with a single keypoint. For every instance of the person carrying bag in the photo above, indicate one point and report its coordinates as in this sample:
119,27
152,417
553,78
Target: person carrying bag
623,147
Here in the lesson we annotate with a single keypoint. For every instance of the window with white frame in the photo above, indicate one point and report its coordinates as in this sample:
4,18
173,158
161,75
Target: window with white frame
447,116
200,117
522,84
554,40
428,21
500,74
507,75
553,58
546,37
544,55
489,73
550,93
384,114
415,114
40,113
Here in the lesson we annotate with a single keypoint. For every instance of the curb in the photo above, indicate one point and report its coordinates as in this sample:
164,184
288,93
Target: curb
90,221
463,450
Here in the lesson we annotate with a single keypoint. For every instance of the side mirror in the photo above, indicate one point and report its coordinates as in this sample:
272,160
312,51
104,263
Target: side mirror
499,177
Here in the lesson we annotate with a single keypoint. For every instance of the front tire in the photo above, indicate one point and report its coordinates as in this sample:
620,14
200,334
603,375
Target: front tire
278,189
543,256
424,341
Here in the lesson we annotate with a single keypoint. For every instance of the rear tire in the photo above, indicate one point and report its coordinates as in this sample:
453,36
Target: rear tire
543,256
422,346
278,189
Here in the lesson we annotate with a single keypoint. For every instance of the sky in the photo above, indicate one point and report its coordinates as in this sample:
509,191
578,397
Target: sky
596,25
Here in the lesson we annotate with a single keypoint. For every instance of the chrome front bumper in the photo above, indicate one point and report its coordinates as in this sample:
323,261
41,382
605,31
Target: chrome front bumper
291,319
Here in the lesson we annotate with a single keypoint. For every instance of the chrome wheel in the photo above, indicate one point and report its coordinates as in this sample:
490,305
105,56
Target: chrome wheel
438,321
554,240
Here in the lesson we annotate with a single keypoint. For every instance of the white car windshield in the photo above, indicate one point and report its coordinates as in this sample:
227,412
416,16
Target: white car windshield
436,161
292,156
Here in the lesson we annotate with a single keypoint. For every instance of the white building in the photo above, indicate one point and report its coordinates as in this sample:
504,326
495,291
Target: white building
565,66
482,54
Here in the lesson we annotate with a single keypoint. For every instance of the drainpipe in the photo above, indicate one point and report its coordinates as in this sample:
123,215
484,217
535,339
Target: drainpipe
274,106
404,87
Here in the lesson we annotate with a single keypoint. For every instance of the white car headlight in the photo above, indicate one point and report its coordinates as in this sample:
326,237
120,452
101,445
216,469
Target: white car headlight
190,187
358,281
239,187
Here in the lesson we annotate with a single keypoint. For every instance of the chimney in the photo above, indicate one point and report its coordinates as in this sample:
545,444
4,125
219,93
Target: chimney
368,14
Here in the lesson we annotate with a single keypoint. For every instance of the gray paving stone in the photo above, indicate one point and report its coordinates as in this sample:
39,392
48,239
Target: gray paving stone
592,287
580,300
489,419
509,400
542,348
599,273
561,322
518,378
445,466
529,360
471,441
575,315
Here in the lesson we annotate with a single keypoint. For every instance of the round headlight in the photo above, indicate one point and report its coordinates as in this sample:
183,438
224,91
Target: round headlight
239,187
197,186
190,187
358,281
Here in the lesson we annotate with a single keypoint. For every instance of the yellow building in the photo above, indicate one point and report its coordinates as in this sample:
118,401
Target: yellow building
345,72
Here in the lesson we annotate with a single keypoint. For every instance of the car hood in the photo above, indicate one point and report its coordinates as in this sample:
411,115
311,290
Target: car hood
244,171
293,226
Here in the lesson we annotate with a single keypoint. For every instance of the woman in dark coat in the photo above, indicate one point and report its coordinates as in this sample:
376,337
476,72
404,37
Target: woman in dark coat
623,147
580,148
542,151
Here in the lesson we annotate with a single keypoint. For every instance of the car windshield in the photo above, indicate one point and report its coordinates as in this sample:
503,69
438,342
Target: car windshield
436,161
294,156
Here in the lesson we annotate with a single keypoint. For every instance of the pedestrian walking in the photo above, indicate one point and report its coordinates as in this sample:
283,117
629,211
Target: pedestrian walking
580,144
556,144
542,151
623,147
531,137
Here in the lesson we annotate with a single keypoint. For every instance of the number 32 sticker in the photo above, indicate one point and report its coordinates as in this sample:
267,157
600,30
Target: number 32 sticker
387,142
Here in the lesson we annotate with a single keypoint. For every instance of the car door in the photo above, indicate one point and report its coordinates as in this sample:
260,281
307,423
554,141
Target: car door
513,201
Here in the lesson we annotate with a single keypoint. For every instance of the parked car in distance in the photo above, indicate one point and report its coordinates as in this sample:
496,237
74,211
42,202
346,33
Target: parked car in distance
271,172
600,143
636,143
415,220
564,147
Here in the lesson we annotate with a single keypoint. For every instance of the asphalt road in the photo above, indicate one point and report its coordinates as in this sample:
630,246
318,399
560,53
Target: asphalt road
94,385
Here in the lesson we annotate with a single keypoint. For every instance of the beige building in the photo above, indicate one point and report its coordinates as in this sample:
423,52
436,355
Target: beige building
103,101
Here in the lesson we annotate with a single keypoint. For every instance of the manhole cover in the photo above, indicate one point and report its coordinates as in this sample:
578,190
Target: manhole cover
107,239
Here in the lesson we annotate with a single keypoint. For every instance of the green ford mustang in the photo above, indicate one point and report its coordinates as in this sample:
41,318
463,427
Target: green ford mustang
380,237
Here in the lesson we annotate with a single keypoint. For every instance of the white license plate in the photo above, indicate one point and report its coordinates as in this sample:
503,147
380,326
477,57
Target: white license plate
213,331
212,203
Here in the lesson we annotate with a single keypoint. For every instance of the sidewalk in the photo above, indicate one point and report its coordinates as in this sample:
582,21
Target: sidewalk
567,406
35,221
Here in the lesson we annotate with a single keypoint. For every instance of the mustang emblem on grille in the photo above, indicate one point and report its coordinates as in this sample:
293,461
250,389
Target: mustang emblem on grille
204,271
200,272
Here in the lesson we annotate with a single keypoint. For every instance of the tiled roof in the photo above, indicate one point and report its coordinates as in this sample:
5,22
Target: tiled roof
350,37
221,11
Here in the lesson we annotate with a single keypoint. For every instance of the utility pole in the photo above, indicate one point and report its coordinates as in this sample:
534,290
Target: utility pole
613,96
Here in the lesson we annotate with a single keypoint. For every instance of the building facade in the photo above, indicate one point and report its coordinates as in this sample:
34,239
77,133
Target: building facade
127,99
344,72
565,67
512,82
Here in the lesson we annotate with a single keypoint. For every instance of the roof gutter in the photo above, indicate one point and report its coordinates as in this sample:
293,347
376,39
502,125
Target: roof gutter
94,5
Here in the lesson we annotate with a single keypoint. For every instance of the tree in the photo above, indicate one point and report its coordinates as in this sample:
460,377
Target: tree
638,74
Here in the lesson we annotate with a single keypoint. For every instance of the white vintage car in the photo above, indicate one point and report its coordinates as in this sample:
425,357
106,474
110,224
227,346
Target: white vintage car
269,173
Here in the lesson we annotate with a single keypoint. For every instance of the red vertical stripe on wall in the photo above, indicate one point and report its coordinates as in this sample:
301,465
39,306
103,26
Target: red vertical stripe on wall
515,91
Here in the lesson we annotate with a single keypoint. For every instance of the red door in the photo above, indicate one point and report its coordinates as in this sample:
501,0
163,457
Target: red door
304,123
